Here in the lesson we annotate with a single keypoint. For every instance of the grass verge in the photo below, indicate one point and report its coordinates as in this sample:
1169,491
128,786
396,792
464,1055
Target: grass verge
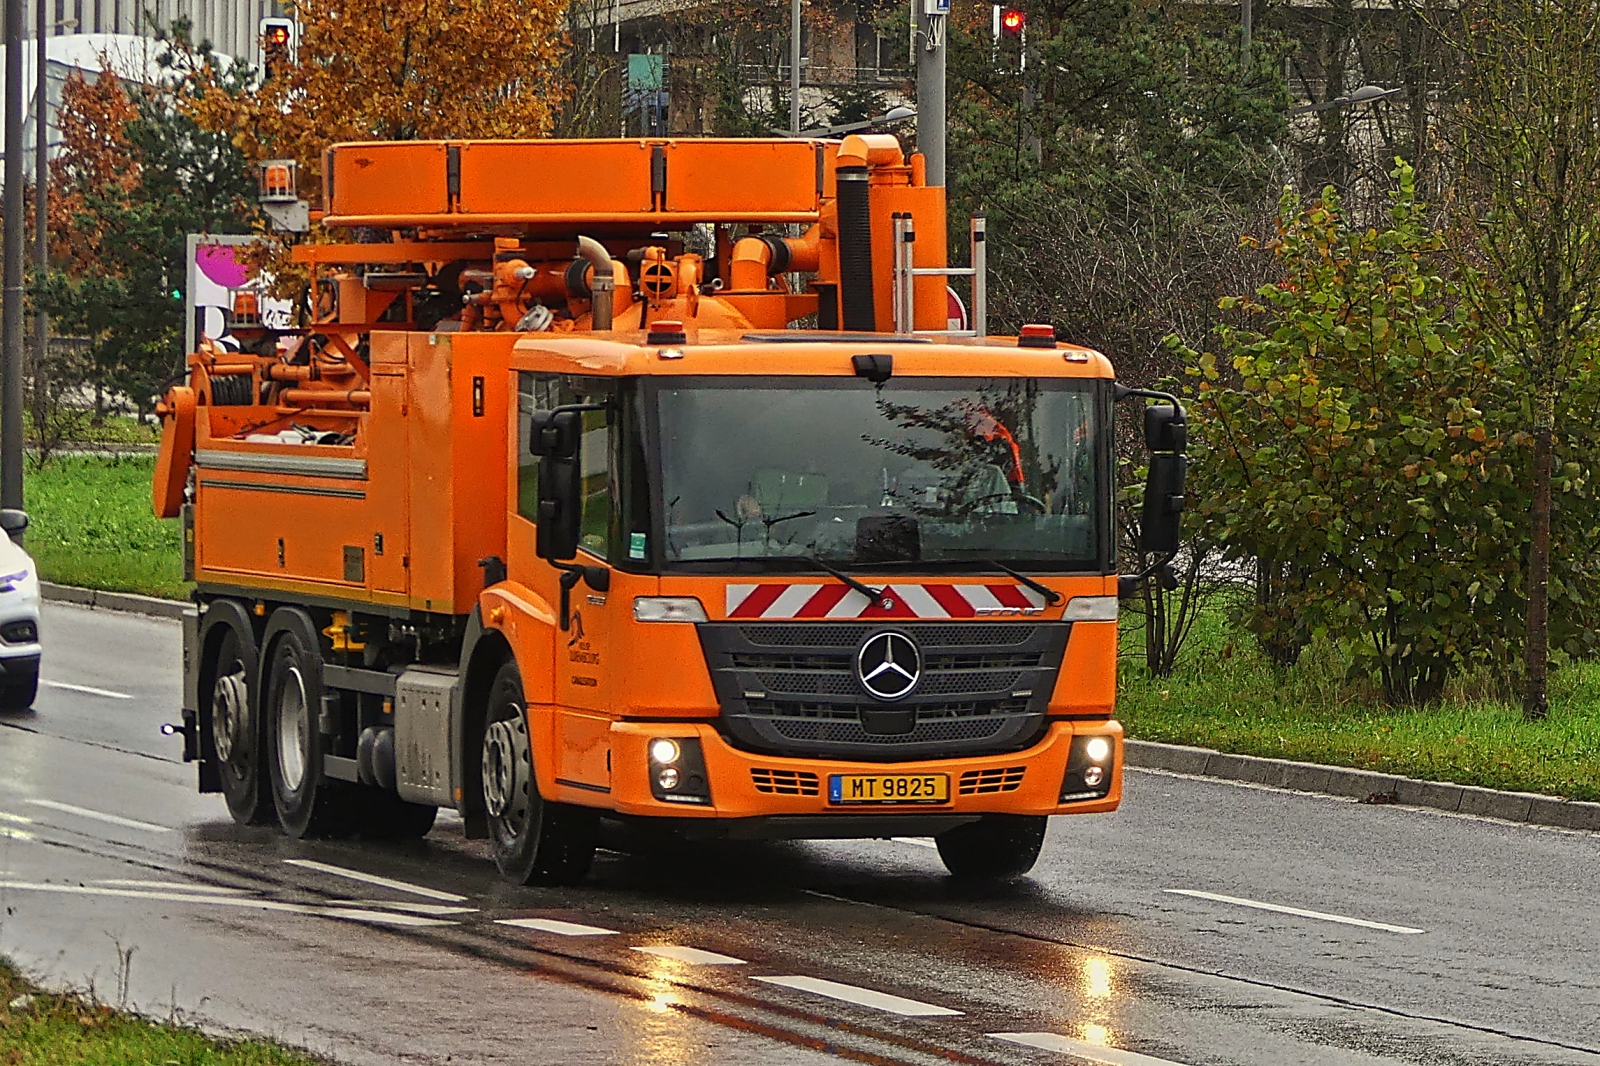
91,525
38,1029
1226,695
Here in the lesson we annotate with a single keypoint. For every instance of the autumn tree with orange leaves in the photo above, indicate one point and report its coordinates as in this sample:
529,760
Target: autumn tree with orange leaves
379,70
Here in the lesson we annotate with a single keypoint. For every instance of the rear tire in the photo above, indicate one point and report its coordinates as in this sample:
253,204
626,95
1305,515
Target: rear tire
236,732
18,695
997,847
308,803
533,840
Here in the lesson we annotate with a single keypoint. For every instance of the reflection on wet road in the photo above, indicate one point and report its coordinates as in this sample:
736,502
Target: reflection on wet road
1204,923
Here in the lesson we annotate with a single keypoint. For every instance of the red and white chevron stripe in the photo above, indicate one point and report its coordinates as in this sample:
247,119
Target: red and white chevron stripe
834,600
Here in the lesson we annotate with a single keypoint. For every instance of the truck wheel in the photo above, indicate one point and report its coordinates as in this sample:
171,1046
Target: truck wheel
533,841
385,816
236,734
997,847
18,693
308,804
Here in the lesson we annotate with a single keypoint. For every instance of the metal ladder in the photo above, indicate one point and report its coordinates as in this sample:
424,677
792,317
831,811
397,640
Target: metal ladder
906,273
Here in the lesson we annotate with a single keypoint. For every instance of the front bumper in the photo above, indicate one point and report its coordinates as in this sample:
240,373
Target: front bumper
792,794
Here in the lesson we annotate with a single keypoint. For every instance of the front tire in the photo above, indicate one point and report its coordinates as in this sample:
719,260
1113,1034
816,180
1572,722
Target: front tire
308,803
997,847
533,841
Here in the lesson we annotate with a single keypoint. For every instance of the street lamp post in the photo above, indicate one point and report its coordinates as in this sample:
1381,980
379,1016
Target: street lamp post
794,68
11,306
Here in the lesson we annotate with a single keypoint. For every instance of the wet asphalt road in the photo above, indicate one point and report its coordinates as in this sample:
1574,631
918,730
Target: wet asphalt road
1139,940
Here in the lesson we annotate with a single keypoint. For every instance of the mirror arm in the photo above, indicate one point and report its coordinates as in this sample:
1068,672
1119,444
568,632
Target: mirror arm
1128,584
596,577
1120,392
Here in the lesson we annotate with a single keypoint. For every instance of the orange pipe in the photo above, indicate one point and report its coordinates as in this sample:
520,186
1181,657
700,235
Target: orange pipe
353,397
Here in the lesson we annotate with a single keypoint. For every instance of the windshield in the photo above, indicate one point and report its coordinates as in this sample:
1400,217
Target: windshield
761,472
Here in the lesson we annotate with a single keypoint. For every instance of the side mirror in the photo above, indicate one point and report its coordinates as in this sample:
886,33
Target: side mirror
556,437
1160,526
1166,428
13,521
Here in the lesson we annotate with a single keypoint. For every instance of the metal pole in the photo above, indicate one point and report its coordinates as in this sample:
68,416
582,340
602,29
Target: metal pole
794,68
41,190
11,307
930,96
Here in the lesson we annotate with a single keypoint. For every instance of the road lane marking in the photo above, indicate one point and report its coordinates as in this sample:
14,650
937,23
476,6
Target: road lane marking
244,903
15,834
692,956
99,816
374,879
173,886
551,925
435,910
1099,1053
862,997
88,690
921,842
20,819
1298,912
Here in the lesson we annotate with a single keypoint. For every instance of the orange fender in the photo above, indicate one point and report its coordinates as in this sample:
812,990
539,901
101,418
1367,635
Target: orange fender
177,451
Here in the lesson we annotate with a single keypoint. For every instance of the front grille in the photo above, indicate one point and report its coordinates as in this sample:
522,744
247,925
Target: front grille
791,688
20,632
999,779
785,782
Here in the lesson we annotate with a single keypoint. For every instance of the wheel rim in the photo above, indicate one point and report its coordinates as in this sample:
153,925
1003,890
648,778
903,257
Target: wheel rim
230,714
294,729
507,771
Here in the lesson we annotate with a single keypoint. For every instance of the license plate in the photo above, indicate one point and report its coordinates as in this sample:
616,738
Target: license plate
888,788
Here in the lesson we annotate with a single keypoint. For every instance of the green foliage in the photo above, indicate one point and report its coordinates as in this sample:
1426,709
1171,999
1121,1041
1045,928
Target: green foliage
1362,441
1229,696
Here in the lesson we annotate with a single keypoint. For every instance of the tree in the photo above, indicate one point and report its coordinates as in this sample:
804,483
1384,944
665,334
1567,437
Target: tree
1358,433
133,178
1529,129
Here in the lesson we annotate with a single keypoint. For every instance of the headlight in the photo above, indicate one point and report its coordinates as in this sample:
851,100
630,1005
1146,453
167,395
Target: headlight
668,609
677,771
1090,609
664,750
1098,749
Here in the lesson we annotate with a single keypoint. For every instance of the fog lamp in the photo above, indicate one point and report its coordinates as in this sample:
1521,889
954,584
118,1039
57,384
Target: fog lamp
664,751
1098,749
1093,775
667,777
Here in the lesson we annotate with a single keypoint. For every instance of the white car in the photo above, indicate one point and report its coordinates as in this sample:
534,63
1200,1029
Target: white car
19,617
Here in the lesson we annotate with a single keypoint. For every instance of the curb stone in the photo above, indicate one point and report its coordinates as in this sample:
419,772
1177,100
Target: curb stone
1365,786
150,606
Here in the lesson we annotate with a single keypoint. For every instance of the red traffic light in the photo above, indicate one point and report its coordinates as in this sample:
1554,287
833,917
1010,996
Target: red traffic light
1012,20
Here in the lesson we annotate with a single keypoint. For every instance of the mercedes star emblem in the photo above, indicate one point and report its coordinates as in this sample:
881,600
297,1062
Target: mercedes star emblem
889,665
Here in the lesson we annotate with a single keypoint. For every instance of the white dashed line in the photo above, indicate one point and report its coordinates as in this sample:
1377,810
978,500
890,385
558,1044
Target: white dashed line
435,910
1280,909
692,956
1098,1053
174,886
921,842
374,879
350,914
551,925
19,819
863,997
110,819
89,690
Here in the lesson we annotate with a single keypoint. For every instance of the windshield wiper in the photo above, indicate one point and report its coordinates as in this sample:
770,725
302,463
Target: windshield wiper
860,586
1051,596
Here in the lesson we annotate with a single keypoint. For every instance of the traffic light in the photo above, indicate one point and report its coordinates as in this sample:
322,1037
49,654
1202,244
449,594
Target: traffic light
280,40
1013,21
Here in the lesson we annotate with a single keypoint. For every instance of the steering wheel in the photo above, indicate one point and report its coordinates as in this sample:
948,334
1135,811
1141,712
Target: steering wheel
1025,504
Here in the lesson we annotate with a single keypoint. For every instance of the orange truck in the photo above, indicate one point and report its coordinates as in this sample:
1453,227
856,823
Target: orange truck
651,481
